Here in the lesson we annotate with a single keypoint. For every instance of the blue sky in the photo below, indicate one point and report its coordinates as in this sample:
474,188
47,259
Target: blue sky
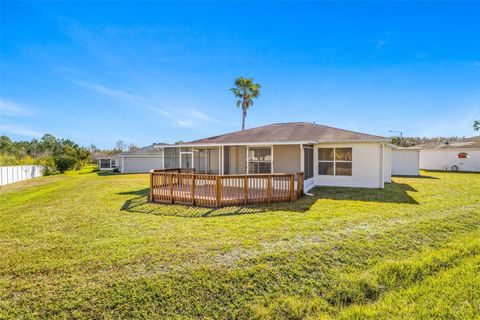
160,72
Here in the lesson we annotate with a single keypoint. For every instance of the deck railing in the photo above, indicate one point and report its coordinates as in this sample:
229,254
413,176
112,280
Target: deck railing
184,186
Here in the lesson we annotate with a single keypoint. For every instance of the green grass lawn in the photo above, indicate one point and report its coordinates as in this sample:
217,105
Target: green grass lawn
88,245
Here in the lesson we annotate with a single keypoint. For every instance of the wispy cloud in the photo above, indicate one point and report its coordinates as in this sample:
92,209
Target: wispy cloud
187,123
189,118
10,108
111,93
202,116
379,43
19,130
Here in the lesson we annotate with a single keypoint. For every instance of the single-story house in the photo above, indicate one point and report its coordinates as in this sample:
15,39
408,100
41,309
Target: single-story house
328,156
405,161
105,162
141,160
451,156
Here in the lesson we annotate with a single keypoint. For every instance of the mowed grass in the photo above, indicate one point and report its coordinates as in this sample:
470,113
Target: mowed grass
88,245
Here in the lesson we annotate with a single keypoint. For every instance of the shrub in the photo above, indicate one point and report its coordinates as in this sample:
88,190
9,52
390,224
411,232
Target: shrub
48,164
64,163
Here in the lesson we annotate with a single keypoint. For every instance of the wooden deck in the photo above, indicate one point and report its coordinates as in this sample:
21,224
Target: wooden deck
184,186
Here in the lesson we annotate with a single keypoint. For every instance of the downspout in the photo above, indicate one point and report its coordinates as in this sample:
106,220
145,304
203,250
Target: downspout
382,169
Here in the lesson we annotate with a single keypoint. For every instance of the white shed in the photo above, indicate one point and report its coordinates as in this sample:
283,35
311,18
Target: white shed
405,161
140,164
141,160
452,156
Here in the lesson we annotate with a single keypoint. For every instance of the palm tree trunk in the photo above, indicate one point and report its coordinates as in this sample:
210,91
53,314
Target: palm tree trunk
244,110
244,115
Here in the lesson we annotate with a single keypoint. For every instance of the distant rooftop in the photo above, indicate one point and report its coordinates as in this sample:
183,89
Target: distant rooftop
153,149
469,143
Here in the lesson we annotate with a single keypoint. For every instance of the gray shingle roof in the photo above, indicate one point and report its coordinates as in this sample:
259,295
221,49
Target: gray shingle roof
289,132
148,150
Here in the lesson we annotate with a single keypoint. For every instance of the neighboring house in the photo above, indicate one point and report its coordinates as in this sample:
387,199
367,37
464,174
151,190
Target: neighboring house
451,156
141,160
405,161
105,162
328,156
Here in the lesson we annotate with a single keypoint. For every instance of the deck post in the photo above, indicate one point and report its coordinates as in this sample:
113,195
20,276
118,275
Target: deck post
218,191
192,189
171,188
151,187
300,183
269,189
292,187
245,190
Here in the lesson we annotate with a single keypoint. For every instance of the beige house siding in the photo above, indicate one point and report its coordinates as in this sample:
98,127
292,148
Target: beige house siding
213,160
237,159
286,158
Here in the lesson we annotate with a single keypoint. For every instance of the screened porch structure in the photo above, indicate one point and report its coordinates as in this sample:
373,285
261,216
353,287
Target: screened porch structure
241,159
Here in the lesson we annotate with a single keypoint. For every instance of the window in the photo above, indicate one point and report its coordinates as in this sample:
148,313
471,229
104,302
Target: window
104,163
308,161
335,161
259,160
463,155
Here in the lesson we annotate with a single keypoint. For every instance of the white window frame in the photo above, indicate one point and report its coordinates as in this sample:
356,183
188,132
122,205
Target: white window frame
109,163
334,161
259,161
187,153
302,160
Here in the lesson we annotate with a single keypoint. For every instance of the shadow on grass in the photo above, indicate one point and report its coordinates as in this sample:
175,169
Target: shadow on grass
454,172
107,173
416,177
393,193
140,204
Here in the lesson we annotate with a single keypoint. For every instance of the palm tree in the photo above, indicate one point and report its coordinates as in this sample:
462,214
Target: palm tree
476,125
245,90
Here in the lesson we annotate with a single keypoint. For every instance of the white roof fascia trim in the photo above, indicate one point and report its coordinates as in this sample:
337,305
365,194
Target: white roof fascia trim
278,143
242,144
355,141
140,155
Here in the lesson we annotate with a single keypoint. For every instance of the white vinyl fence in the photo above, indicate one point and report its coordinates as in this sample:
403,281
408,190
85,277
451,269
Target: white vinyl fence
13,174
